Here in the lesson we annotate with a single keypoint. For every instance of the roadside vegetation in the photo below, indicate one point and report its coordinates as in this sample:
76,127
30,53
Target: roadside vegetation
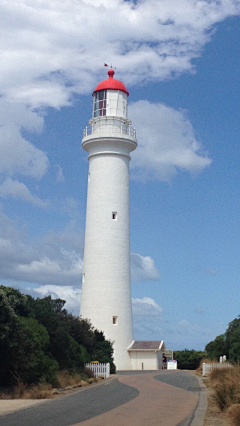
226,344
189,359
40,342
226,385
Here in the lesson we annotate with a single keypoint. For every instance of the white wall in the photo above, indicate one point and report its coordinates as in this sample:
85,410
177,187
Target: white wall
146,360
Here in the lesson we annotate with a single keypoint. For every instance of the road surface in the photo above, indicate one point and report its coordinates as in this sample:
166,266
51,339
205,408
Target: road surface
166,398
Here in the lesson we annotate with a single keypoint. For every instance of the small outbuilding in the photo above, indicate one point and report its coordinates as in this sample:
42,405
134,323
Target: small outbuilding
146,355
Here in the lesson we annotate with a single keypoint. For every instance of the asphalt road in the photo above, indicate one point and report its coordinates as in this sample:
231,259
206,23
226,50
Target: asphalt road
84,405
73,408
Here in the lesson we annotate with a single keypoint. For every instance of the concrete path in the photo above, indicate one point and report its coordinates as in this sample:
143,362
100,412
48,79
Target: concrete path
166,398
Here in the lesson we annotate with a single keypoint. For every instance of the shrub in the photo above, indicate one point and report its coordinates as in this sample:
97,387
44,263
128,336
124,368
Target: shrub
68,379
88,373
188,359
226,384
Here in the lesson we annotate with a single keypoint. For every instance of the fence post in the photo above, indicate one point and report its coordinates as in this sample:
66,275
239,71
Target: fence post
204,369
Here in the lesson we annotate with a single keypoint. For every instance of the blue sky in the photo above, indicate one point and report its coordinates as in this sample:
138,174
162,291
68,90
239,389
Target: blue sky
181,65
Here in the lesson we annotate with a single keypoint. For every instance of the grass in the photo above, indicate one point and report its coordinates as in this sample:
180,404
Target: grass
226,385
234,414
40,391
43,390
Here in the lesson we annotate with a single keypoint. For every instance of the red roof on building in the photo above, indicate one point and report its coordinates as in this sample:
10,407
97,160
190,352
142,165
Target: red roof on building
111,84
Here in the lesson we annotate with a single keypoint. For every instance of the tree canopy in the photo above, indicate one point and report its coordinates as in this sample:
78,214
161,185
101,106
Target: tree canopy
226,344
38,337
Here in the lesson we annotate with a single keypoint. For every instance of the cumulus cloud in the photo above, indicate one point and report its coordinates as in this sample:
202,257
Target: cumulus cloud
19,190
54,259
166,143
51,51
143,268
17,155
68,293
146,307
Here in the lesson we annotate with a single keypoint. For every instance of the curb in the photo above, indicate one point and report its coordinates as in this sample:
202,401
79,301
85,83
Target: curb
199,413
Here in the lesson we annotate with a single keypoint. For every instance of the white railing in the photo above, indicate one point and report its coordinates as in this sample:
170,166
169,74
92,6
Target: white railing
110,128
207,367
99,369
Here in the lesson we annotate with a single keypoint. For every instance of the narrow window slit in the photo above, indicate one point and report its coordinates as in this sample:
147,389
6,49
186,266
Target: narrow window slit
115,320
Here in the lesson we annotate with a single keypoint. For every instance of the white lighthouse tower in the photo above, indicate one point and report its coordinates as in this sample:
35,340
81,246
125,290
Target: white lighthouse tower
106,285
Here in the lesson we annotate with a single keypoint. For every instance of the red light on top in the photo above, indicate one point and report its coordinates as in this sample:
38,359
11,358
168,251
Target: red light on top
111,84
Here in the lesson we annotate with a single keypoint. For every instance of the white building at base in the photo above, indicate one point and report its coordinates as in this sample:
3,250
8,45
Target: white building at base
146,355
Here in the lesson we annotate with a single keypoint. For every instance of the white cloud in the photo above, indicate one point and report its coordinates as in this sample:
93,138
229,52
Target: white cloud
54,259
146,307
68,293
166,143
19,190
210,271
143,268
51,51
60,175
17,155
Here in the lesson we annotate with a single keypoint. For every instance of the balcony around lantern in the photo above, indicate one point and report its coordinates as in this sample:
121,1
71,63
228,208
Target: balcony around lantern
122,129
109,134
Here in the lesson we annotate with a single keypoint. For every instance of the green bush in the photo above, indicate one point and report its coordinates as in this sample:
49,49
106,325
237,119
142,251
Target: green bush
188,359
38,337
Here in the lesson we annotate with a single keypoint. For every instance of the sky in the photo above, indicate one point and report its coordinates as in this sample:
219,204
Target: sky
180,62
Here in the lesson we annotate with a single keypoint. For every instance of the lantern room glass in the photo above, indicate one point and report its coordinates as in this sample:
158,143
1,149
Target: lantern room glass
100,103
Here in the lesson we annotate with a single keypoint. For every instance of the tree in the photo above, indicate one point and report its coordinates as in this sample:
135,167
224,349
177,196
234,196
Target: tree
188,359
38,336
103,350
27,353
217,347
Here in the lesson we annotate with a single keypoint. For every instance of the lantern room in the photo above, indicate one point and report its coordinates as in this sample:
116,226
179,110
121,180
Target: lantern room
110,98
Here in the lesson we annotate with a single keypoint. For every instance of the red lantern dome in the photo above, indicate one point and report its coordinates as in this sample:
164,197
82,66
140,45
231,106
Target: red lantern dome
111,84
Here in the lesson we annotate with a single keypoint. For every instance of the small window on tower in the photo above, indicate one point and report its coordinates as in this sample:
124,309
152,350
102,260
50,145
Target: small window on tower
115,320
83,278
88,177
114,215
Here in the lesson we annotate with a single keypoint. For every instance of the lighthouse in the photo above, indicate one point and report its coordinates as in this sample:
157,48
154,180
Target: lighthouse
106,282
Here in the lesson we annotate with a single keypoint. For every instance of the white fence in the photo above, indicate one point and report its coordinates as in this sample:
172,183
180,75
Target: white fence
102,370
207,367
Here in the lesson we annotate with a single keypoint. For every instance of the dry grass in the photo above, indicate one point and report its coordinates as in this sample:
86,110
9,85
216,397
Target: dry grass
43,390
68,379
234,414
40,391
226,385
